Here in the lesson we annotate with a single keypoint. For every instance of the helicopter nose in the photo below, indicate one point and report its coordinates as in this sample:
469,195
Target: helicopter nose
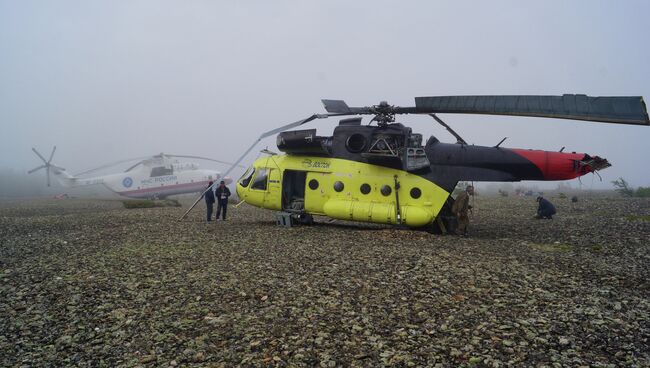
240,191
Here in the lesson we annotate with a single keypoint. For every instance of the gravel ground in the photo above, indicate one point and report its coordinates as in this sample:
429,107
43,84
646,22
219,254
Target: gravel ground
89,283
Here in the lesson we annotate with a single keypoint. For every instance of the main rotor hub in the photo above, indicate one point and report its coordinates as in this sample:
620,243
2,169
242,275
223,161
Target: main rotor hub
385,113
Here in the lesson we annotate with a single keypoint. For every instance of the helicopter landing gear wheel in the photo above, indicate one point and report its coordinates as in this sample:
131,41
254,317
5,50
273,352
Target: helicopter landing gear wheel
305,219
443,224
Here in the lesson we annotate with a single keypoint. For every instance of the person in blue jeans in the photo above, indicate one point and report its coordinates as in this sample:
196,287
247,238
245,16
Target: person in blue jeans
209,201
222,193
545,210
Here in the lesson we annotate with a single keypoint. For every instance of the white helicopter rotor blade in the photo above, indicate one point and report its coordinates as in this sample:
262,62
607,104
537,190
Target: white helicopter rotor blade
36,169
51,154
203,158
39,155
105,166
134,166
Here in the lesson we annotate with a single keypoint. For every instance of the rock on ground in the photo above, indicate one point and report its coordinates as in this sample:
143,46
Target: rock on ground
90,283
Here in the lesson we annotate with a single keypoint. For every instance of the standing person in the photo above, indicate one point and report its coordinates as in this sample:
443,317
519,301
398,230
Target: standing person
546,209
460,208
209,201
222,194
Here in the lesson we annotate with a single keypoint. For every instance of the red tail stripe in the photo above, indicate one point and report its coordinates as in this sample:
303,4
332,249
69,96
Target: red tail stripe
555,165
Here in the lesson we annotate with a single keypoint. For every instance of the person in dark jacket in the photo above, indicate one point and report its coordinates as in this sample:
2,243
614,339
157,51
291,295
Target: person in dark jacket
545,210
209,201
222,193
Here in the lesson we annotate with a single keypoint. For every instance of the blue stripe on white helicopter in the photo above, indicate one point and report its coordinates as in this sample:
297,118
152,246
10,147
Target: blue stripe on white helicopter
152,177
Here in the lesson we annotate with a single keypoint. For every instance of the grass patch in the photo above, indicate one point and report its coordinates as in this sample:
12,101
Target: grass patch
553,247
639,218
643,192
145,203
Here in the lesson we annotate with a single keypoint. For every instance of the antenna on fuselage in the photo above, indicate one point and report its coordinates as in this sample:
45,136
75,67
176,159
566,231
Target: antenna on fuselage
267,152
501,141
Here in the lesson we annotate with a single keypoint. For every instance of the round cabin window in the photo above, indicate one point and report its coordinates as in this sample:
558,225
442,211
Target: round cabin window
416,193
365,188
386,190
356,143
338,186
313,184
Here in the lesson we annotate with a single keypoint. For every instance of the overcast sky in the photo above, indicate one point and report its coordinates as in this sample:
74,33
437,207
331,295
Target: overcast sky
106,80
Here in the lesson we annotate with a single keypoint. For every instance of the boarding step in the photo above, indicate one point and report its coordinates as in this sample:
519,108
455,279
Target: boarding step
284,219
292,218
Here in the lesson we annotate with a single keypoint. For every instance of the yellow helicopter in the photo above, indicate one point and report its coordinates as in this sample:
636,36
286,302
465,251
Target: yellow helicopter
385,174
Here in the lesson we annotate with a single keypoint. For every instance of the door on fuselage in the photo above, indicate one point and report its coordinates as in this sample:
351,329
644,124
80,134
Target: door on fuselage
293,190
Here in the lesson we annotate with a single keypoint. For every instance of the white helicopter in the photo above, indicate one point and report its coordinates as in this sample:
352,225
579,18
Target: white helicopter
152,177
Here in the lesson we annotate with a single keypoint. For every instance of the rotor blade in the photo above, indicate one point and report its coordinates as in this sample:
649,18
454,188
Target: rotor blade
134,166
110,164
278,130
262,136
619,110
51,154
459,139
203,158
341,108
36,169
336,106
39,155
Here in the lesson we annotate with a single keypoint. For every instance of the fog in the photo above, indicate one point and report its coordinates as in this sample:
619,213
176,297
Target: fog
106,80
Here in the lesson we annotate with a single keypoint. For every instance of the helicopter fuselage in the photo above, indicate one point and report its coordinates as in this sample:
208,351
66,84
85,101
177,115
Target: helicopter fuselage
146,184
341,189
383,174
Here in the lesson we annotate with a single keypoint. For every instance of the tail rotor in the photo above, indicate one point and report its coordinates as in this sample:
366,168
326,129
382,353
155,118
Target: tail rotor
47,164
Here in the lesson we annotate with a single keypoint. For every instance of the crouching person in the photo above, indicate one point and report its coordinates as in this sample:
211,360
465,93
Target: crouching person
546,209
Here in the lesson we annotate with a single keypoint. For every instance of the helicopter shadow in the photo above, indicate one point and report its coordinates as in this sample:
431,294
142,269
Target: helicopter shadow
328,223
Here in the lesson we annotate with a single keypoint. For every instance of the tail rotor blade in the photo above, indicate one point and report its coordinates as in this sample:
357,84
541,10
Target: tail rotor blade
36,169
39,155
51,155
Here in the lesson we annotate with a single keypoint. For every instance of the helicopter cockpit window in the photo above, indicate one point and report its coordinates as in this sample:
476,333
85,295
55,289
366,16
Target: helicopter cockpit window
246,178
161,171
260,179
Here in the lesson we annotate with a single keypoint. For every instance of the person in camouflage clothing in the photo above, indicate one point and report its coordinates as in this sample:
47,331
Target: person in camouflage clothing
460,208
